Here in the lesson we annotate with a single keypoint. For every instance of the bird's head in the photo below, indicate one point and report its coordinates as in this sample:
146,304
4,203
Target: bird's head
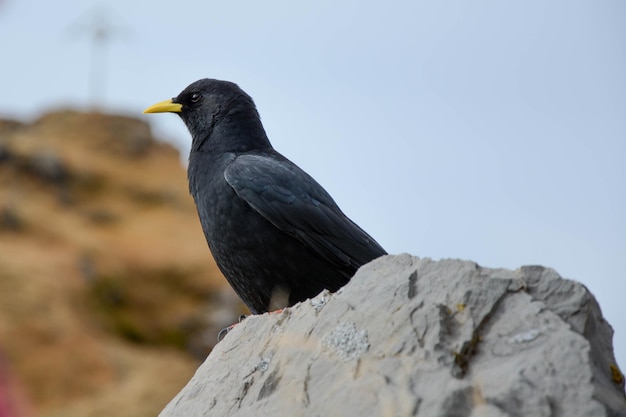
211,106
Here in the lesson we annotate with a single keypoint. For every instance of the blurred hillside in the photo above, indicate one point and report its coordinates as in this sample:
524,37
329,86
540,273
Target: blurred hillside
106,283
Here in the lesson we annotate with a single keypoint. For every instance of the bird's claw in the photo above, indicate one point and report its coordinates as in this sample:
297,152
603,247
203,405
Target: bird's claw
222,333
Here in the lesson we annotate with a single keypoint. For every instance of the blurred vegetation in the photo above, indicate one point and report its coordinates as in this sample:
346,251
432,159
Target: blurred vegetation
106,280
130,305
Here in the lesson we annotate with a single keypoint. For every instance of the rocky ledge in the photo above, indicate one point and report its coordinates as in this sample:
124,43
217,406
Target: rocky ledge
410,336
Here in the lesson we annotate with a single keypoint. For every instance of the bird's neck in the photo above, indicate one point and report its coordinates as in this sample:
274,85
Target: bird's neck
236,132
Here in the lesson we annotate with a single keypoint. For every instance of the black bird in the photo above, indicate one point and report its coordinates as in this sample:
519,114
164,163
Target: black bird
277,236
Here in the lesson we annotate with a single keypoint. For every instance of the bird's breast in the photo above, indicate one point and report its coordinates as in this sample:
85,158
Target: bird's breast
228,222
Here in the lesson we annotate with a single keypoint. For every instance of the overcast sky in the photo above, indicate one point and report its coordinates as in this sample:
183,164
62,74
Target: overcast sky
486,130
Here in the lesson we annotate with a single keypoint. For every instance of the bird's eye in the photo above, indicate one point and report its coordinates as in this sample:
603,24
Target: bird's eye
195,97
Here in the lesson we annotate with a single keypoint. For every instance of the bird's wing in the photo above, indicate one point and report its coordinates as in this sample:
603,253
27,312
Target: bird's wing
297,205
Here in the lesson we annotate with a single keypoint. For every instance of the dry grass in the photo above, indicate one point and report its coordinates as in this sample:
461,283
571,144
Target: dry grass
109,254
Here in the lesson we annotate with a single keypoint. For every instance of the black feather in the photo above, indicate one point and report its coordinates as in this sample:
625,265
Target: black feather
275,233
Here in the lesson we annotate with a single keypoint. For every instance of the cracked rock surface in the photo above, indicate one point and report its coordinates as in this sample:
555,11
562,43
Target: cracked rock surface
410,336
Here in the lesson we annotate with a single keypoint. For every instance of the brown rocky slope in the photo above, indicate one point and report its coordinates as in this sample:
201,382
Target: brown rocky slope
96,230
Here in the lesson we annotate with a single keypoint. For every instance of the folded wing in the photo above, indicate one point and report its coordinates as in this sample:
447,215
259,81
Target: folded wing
297,205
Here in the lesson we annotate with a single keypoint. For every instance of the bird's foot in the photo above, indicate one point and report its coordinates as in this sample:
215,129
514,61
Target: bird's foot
222,333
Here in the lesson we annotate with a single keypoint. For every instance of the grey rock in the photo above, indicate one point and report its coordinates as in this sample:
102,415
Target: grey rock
410,336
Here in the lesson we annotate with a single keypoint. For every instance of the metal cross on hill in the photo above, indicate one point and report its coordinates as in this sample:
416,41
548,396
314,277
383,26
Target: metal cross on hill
101,30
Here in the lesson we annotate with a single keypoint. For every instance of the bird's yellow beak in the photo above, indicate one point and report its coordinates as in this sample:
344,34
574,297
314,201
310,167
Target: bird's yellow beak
165,106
